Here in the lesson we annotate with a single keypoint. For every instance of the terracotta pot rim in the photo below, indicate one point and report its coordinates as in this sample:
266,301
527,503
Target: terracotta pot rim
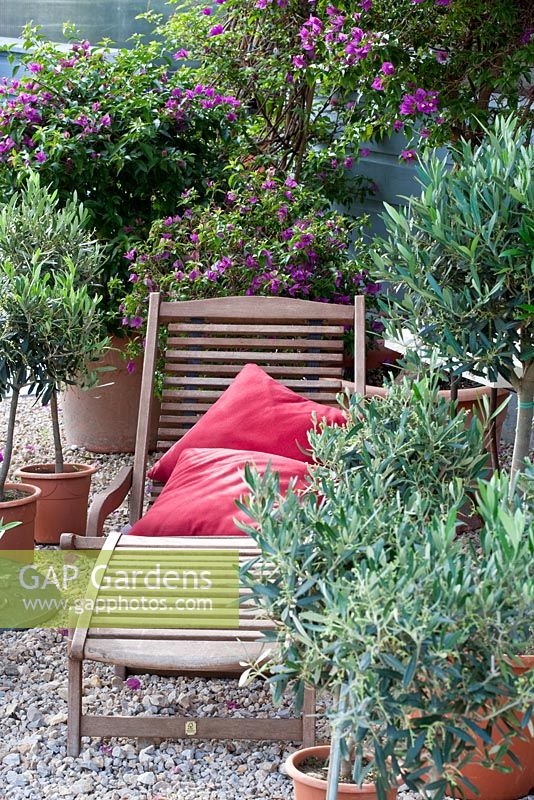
32,493
320,751
527,662
33,471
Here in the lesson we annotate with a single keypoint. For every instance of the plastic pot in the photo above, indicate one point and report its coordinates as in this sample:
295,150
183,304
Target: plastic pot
493,784
104,419
306,787
21,509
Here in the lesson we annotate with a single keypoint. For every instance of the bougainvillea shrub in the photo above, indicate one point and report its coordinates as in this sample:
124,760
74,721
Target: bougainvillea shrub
320,78
266,235
121,129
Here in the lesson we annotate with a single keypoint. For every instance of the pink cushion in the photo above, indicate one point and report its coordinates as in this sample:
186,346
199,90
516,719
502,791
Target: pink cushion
199,497
254,413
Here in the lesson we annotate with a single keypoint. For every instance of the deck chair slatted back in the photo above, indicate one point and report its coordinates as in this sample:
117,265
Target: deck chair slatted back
298,342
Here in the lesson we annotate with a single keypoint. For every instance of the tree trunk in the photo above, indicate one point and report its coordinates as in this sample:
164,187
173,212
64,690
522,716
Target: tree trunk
8,447
58,452
525,409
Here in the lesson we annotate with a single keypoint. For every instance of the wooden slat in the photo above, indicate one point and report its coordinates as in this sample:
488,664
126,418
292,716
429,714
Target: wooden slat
183,654
243,329
245,543
275,370
252,356
308,345
276,310
318,384
145,402
246,632
162,727
76,648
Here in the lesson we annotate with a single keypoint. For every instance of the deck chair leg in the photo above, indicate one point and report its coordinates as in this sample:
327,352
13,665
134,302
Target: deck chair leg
121,671
308,717
74,707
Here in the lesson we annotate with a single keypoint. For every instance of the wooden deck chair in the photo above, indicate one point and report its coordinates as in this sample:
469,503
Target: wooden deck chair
299,343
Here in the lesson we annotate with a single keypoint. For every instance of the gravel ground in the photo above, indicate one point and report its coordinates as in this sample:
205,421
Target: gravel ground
33,704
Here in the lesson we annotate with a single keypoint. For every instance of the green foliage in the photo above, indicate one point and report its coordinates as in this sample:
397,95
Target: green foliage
411,439
460,259
307,74
51,322
378,600
34,225
462,254
120,129
267,235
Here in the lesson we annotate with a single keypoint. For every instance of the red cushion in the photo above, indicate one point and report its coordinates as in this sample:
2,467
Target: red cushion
254,413
199,497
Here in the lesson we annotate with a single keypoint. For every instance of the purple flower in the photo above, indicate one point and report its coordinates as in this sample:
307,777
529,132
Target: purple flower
181,54
367,5
388,68
206,11
408,155
40,156
398,125
1,456
443,2
299,62
133,683
441,56
378,84
135,322
33,66
131,254
105,120
194,237
526,36
372,288
134,278
364,152
269,184
424,133
348,162
130,367
216,30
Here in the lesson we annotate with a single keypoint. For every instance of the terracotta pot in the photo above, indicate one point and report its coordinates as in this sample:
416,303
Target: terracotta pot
23,510
493,784
104,419
63,501
307,787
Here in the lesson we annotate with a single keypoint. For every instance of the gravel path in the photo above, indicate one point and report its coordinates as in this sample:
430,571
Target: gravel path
33,705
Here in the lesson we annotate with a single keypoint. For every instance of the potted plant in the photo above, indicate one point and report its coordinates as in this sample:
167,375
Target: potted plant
459,259
20,366
53,324
380,603
71,335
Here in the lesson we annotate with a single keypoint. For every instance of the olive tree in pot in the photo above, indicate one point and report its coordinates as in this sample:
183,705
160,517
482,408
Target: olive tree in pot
20,366
69,335
380,603
459,258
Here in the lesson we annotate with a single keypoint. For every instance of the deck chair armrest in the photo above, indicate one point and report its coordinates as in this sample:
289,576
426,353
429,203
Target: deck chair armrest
109,500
